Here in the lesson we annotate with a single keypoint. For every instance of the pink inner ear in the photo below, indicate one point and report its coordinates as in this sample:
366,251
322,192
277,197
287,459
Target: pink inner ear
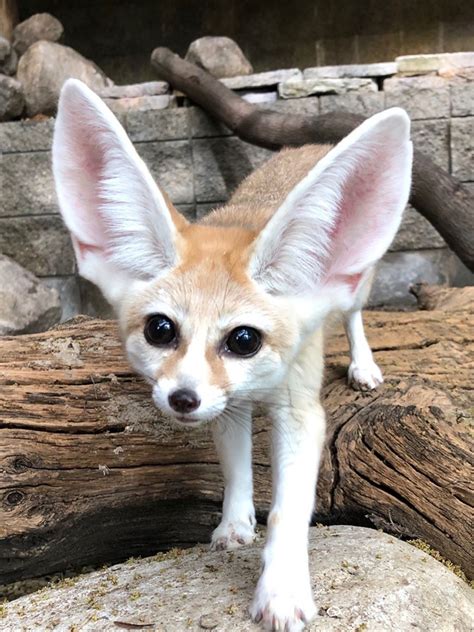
368,214
351,280
82,248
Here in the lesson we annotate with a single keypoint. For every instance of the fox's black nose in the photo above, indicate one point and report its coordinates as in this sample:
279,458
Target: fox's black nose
184,400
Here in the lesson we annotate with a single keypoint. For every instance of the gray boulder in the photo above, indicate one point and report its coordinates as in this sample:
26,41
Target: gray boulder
26,304
220,56
362,580
41,26
12,100
45,67
8,57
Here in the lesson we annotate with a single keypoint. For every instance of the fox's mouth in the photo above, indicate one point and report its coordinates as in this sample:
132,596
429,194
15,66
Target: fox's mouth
186,421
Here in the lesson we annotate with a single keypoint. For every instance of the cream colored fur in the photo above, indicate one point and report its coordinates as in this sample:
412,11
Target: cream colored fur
298,240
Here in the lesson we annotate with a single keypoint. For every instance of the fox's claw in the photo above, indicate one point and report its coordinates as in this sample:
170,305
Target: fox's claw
231,535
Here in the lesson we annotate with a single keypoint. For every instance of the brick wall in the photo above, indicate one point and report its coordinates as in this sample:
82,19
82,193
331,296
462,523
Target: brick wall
199,163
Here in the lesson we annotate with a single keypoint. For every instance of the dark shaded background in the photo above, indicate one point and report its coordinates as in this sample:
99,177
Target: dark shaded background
119,35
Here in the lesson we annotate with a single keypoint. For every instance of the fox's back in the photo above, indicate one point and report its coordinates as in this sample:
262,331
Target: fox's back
263,191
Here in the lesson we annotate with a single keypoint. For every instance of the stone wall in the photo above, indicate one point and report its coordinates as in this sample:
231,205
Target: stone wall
199,163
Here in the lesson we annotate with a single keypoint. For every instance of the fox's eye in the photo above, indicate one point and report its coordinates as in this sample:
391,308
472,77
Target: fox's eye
244,341
160,330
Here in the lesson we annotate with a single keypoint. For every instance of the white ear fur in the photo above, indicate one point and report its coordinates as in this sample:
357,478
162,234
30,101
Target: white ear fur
341,218
120,224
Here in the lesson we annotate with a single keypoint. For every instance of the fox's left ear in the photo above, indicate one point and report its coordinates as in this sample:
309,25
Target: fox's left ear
122,227
341,218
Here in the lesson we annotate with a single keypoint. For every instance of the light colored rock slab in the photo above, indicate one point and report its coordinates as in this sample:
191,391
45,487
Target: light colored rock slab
383,69
399,270
362,580
297,88
171,165
365,103
462,147
133,90
446,63
422,97
26,304
140,104
259,97
262,79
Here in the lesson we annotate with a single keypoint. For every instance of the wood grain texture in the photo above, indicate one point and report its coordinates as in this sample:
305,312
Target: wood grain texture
89,472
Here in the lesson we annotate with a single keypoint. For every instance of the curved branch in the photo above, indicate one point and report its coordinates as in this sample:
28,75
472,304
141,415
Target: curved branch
437,195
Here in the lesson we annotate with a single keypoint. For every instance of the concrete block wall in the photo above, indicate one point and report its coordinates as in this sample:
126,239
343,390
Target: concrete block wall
199,163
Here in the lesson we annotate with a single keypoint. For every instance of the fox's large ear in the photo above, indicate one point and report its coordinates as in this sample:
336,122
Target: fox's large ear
342,217
121,226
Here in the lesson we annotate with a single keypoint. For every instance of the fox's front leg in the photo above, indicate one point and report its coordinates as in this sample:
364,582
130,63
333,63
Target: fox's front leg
233,440
283,598
363,373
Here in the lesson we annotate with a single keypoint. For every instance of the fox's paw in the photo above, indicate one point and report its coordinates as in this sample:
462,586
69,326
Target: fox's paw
282,609
364,377
232,534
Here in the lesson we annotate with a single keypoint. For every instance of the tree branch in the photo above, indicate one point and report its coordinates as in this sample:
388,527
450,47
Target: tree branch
437,195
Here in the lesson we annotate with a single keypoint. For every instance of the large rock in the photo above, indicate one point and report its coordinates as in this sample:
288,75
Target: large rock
220,56
45,67
8,57
26,304
12,100
363,580
41,26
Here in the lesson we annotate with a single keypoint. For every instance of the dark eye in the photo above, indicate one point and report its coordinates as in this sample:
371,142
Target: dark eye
244,341
160,330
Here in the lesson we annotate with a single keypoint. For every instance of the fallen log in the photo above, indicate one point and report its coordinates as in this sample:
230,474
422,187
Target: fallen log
437,195
90,473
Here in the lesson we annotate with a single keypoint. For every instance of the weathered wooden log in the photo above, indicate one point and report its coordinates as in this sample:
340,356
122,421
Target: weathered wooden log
89,472
437,195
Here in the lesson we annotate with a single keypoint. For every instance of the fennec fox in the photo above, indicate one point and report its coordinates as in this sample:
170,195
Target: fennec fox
228,312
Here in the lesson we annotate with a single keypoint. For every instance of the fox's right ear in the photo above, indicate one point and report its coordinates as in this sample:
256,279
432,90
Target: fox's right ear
121,225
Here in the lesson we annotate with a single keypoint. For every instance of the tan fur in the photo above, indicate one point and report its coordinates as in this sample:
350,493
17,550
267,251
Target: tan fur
254,201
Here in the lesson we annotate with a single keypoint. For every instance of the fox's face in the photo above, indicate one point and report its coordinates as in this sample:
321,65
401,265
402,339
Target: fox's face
205,335
213,314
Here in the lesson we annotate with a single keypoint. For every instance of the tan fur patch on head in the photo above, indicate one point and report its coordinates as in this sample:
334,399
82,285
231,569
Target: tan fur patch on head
218,374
